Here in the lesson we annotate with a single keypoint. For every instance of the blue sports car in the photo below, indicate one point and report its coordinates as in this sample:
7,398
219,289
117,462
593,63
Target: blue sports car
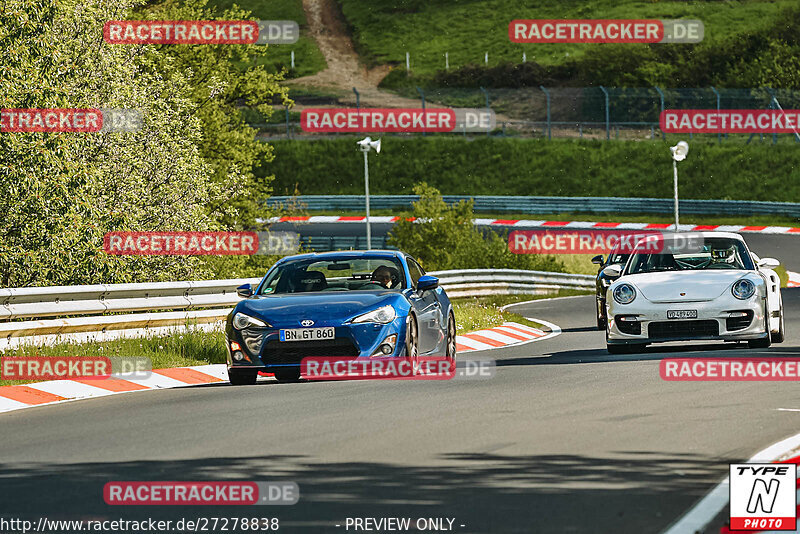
355,304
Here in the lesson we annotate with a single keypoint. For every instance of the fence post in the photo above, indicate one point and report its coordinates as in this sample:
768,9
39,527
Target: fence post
524,58
719,135
608,129
408,63
447,61
661,95
547,96
358,100
486,59
486,94
292,59
422,95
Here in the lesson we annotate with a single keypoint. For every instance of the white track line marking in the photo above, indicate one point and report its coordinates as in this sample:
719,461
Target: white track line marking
705,510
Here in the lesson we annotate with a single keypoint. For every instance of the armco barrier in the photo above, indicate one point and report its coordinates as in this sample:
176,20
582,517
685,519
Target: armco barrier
48,313
542,205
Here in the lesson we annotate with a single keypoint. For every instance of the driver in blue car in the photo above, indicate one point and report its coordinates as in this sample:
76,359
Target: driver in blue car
383,276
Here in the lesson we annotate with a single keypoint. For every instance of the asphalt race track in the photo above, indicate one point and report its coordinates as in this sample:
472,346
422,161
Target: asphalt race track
565,438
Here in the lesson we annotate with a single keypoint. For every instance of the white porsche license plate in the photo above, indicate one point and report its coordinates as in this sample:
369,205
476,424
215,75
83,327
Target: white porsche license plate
681,314
306,334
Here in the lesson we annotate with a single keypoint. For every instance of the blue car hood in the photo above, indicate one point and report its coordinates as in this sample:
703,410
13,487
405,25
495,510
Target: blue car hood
325,308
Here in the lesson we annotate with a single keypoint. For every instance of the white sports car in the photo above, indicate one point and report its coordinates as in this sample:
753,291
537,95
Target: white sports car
693,286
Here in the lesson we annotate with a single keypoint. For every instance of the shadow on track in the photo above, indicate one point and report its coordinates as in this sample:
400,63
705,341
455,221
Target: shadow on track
485,492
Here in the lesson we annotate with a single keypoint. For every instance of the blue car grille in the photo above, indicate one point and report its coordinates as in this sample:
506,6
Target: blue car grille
295,351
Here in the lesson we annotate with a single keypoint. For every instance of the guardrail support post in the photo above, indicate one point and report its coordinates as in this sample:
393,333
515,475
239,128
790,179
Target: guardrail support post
608,130
549,130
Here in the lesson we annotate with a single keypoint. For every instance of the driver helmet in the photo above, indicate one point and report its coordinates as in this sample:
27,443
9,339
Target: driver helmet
723,255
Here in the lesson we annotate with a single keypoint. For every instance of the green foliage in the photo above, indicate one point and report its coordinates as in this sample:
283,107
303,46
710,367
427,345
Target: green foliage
560,167
188,168
62,192
443,237
219,84
748,43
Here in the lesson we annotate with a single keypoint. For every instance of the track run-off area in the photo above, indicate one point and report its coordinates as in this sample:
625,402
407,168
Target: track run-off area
564,438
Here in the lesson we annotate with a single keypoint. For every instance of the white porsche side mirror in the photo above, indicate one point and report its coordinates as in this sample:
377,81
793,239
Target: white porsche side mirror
613,271
768,263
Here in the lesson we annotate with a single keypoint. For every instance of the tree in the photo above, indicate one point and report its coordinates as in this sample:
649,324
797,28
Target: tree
63,191
443,237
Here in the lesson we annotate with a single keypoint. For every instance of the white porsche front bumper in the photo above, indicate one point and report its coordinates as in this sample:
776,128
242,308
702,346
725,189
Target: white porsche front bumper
724,318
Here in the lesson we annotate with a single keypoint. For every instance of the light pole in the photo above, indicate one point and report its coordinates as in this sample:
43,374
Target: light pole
366,145
679,152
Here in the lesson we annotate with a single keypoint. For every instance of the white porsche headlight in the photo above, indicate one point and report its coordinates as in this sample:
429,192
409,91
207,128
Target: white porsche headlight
242,321
383,315
624,293
743,289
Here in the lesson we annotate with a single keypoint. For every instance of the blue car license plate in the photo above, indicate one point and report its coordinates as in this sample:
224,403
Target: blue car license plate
307,334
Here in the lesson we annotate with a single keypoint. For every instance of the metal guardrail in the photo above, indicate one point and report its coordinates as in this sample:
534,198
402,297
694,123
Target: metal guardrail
73,313
543,205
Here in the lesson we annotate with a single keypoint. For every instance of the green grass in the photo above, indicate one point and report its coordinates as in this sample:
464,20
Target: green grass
193,347
308,58
477,313
498,166
384,31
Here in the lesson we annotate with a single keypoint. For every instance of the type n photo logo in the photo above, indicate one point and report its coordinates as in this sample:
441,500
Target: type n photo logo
763,497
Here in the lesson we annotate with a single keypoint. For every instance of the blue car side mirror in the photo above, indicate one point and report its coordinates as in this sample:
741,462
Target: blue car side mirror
244,291
427,282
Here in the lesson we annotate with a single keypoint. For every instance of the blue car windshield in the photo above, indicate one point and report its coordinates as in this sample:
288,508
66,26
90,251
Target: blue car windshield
335,274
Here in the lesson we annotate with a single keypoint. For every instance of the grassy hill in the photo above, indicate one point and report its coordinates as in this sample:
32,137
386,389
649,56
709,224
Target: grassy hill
466,29
535,167
308,58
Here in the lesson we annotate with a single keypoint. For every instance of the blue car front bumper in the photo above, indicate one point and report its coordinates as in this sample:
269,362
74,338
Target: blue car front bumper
262,348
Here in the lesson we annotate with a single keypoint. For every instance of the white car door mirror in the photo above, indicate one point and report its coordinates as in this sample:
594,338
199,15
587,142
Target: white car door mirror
768,263
613,271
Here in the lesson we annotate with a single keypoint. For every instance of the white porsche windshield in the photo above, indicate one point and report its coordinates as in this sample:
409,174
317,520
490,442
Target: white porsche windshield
682,255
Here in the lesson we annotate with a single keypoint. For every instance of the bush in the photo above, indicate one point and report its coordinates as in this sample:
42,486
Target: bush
443,237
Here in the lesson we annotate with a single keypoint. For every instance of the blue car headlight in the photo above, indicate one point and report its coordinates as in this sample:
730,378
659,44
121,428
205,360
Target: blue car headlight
383,315
624,293
743,289
242,321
